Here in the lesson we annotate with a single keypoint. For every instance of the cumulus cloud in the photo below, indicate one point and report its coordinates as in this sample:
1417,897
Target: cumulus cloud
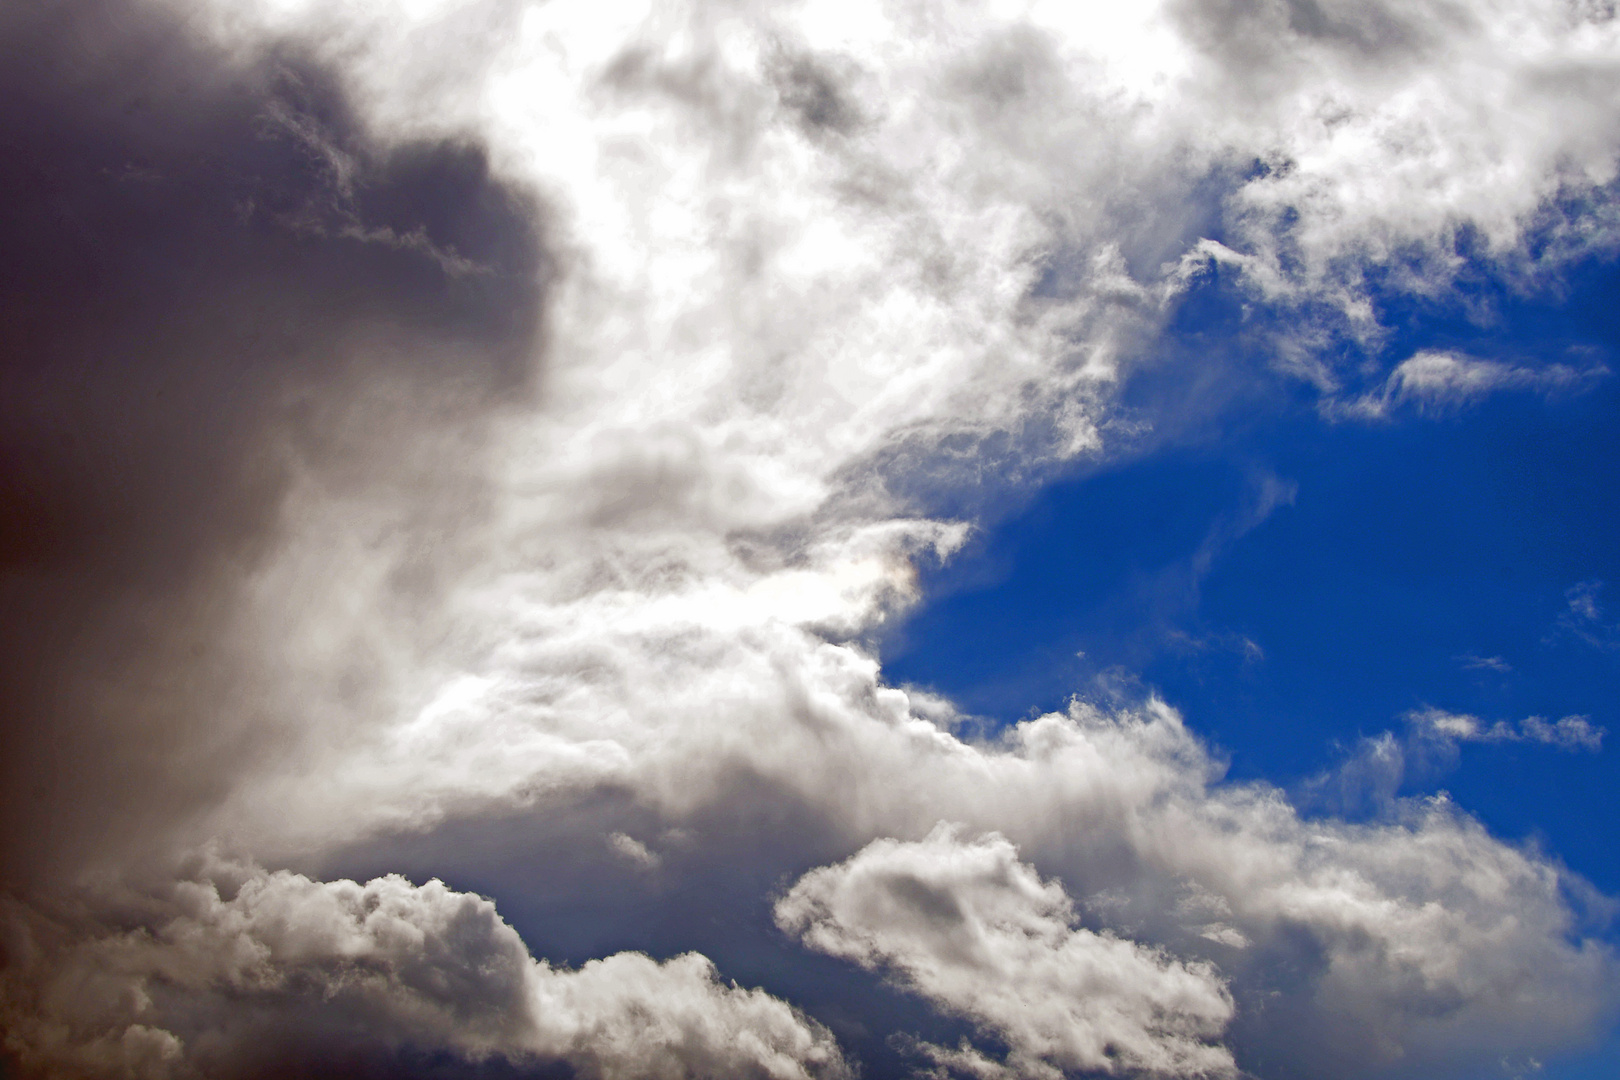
427,416
969,926
1419,945
316,977
816,273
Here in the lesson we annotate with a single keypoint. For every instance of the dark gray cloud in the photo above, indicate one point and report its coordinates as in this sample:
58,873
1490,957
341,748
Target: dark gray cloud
214,280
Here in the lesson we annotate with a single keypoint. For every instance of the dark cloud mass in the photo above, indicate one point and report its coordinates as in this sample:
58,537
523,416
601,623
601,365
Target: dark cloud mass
215,281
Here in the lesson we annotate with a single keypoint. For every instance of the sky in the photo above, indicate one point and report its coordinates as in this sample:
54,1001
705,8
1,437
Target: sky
991,540
1354,575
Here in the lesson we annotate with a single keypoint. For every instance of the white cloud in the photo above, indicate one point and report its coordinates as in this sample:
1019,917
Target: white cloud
634,850
968,926
1446,381
1567,733
1583,600
287,967
764,334
1422,940
815,265
1584,617
1375,770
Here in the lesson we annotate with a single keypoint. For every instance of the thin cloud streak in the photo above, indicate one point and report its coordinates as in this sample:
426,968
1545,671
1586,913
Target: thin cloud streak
1567,733
1441,382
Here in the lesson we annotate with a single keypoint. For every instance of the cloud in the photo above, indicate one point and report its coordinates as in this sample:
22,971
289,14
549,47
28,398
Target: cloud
316,977
634,850
435,421
1584,619
1568,733
1439,382
230,308
969,926
772,349
1373,774
1421,941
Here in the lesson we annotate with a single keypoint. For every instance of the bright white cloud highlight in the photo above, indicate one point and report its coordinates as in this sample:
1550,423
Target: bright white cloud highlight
817,263
973,929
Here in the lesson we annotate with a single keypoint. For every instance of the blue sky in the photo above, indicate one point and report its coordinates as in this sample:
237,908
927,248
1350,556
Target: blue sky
1427,559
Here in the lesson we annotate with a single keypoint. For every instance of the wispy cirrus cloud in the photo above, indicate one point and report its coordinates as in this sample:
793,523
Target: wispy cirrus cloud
1378,767
1585,619
1443,382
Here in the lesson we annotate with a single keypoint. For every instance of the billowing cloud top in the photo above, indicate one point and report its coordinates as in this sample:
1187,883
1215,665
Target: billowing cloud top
475,440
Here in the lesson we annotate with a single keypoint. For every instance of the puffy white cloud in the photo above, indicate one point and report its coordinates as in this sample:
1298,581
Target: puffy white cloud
1420,941
289,970
816,265
969,926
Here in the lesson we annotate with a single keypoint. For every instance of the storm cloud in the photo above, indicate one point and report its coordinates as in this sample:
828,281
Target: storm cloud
220,291
484,443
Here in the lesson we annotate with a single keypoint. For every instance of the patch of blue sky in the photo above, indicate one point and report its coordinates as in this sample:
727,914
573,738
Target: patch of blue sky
1298,580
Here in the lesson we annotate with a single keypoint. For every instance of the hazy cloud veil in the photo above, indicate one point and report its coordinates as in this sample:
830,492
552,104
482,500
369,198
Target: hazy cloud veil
476,440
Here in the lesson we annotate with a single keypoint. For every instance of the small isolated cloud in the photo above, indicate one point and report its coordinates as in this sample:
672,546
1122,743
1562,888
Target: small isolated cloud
635,851
1585,619
1568,733
1440,382
1485,663
1583,601
967,925
1241,645
1372,775
1173,591
1368,779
